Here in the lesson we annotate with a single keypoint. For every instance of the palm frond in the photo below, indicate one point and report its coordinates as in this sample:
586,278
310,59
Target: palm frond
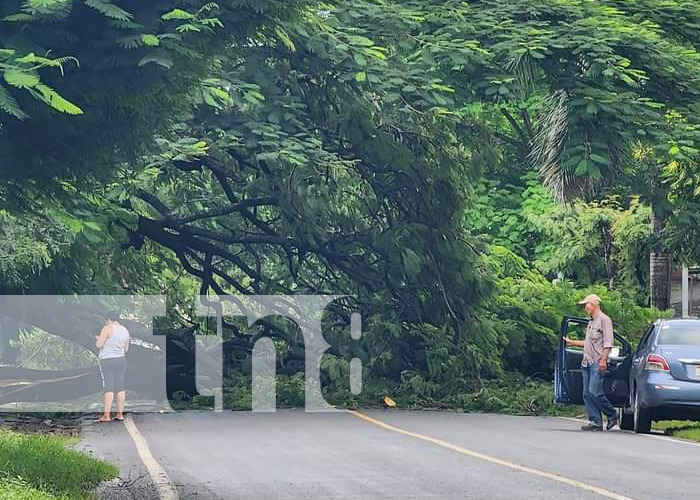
525,70
548,149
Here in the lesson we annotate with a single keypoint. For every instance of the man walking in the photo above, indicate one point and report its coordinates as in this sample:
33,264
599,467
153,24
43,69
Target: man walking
596,349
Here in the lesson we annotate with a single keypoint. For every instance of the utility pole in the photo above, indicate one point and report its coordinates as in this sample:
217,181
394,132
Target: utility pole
684,292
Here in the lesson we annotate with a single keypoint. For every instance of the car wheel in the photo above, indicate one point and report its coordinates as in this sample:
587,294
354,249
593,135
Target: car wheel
642,416
626,419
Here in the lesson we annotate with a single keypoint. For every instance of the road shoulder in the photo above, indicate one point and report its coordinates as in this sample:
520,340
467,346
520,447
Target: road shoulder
111,442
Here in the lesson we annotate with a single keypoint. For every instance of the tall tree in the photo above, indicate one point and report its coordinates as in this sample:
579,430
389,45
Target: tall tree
313,158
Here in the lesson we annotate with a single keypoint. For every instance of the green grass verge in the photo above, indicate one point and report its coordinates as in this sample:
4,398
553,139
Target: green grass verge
12,488
684,429
692,434
38,467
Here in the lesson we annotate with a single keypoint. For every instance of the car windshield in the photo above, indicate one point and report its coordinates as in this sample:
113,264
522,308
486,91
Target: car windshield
688,334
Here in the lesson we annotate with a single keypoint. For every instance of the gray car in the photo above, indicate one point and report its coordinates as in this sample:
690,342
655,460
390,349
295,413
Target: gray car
660,380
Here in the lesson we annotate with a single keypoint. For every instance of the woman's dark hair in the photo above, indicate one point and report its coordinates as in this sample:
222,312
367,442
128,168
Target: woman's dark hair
111,315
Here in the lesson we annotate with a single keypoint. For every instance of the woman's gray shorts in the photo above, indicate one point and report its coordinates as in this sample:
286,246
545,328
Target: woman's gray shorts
113,372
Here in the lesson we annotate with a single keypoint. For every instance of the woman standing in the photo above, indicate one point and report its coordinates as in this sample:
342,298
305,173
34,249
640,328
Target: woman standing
113,343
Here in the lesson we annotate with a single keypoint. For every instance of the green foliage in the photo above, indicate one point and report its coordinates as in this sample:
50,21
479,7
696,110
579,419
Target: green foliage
12,488
31,243
347,193
608,73
604,241
595,242
129,68
43,351
527,311
683,429
512,394
23,73
109,9
516,395
597,94
363,148
43,463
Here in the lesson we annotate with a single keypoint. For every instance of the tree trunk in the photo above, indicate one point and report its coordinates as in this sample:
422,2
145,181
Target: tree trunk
659,269
9,330
607,239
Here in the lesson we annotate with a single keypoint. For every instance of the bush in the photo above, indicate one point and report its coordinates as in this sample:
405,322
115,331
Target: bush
518,396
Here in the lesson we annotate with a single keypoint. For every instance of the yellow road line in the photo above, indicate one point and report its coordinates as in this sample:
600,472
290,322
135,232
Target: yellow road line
166,489
487,458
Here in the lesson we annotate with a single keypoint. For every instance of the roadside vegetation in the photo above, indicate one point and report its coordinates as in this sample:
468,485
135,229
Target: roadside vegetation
462,171
683,429
41,467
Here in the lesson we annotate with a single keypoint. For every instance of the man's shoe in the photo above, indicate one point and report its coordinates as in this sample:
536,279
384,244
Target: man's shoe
612,422
590,426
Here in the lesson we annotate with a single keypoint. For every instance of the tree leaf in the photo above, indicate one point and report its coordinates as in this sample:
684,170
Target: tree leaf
53,99
19,17
161,58
360,40
9,105
21,79
109,9
150,40
582,167
93,225
598,159
177,14
359,59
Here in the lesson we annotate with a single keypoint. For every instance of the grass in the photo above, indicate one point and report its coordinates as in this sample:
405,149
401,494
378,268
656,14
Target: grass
12,488
692,434
684,429
35,467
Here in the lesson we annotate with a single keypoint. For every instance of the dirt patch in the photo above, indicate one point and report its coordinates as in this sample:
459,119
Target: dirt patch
66,425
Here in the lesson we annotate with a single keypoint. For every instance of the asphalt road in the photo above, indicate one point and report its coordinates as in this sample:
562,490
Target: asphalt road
394,455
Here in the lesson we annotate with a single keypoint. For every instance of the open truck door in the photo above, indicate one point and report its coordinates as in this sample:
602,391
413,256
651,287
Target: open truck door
568,378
